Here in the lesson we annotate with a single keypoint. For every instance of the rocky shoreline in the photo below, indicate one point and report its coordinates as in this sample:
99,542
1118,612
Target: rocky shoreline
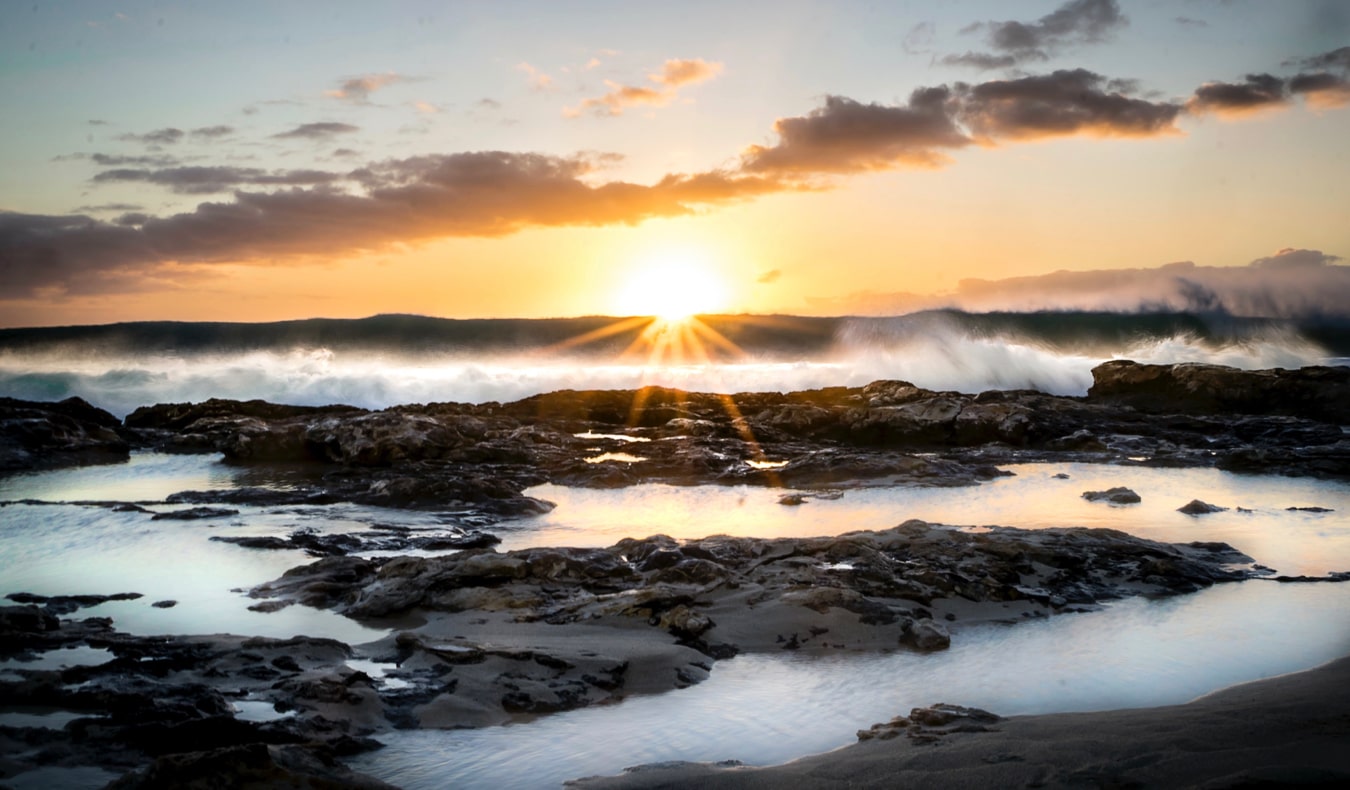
479,637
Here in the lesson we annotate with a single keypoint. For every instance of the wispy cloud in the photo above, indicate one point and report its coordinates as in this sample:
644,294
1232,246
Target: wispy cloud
322,130
166,136
1075,23
665,85
207,180
357,90
212,132
538,80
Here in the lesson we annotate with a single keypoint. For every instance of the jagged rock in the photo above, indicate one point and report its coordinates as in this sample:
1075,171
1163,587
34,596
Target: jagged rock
36,435
1320,393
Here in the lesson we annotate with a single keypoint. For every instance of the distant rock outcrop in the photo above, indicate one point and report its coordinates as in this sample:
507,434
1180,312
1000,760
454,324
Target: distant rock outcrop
1319,393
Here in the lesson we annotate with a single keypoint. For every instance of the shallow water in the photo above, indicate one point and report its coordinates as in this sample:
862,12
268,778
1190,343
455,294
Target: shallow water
1033,498
758,709
766,709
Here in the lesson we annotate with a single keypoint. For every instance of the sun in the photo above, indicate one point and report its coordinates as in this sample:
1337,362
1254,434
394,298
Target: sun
672,287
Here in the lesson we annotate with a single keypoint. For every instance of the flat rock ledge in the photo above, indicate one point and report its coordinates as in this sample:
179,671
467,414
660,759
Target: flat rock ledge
546,629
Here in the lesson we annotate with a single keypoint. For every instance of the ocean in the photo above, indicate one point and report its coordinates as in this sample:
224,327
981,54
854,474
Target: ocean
394,359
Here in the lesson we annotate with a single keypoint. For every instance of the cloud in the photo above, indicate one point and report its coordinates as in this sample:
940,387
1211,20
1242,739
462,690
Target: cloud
1186,21
1300,284
919,38
119,160
357,90
96,122
485,193
619,97
538,80
206,180
1321,89
846,136
322,130
984,61
345,152
106,207
1075,23
486,103
1256,93
1076,102
1290,258
213,132
1336,60
771,276
674,75
166,136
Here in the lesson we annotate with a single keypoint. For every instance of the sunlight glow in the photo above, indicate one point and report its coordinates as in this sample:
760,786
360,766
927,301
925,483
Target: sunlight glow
673,287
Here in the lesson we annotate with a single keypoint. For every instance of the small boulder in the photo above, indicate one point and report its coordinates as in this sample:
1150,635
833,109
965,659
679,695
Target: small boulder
1197,508
1119,495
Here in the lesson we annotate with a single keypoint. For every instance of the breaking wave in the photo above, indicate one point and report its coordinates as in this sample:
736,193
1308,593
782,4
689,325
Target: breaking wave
943,350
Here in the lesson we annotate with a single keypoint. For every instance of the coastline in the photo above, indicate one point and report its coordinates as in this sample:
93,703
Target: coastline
1286,730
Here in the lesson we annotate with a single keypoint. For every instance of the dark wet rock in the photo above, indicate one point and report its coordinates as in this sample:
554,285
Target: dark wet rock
248,766
65,604
43,435
1119,495
1313,509
181,416
690,589
1197,508
165,604
1319,393
322,545
1334,576
926,725
194,514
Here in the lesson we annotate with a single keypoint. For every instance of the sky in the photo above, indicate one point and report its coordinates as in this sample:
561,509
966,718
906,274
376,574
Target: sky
257,161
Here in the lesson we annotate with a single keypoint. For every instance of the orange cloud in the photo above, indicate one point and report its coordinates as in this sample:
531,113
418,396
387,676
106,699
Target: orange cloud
674,75
685,72
484,193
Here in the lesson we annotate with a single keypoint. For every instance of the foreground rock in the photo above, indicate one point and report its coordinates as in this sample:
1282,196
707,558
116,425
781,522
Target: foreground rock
538,630
1283,732
166,709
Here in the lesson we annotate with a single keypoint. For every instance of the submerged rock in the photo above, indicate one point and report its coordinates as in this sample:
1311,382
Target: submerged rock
1197,508
1119,495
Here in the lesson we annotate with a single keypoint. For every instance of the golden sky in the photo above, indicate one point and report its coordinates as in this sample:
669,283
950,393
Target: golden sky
208,161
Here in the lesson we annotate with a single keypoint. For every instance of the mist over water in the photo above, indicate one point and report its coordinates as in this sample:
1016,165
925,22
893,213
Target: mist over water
1054,353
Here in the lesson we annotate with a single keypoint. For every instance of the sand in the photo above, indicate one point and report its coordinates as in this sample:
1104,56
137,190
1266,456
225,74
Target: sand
1289,730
